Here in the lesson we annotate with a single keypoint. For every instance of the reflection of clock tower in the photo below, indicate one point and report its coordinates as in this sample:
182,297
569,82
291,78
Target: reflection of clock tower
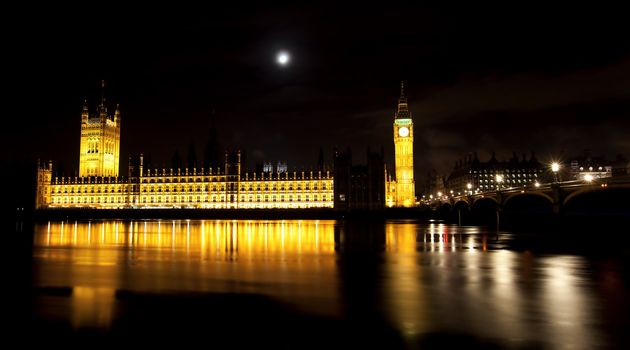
403,142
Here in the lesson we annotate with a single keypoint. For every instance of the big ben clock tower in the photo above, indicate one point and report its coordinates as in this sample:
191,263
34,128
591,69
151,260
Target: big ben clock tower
405,195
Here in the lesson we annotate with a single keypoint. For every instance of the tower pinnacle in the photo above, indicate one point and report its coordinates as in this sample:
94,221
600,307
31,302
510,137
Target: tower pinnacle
85,112
102,92
102,110
117,113
403,107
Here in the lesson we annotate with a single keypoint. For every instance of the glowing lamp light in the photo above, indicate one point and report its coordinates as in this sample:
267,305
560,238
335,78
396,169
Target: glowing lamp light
536,184
588,178
555,167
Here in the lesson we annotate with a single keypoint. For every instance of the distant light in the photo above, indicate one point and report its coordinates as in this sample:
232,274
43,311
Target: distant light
536,184
588,178
439,194
555,166
469,186
499,178
283,58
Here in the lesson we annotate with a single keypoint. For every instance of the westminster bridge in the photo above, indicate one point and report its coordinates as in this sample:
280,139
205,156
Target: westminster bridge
608,197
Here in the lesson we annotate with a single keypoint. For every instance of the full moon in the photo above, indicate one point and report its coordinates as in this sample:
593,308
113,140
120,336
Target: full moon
283,58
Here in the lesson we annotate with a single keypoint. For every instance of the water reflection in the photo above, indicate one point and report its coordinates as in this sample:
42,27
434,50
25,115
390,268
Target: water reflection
199,237
419,279
277,258
92,306
405,296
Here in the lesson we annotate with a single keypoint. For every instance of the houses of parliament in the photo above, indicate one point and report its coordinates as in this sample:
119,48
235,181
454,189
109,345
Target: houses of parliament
100,186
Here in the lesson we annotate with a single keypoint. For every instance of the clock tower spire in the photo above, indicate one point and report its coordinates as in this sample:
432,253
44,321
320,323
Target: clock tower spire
405,192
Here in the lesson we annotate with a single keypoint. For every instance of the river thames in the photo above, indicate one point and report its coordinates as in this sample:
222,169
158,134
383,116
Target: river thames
314,283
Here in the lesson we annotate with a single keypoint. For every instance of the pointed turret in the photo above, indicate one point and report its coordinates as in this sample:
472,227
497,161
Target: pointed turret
85,114
102,92
117,115
403,107
102,110
493,159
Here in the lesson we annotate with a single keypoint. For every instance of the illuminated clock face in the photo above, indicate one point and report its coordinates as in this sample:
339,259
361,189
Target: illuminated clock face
403,132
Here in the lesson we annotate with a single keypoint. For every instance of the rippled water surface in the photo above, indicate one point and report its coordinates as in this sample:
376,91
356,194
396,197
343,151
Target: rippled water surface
423,283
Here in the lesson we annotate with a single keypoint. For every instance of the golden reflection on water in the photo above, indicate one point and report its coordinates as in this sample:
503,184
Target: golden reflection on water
441,278
92,306
203,237
277,258
405,295
432,278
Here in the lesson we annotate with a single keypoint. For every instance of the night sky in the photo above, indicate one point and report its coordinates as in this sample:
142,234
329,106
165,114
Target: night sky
550,79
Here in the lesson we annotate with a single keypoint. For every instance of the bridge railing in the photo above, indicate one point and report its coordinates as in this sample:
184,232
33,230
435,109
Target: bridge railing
539,187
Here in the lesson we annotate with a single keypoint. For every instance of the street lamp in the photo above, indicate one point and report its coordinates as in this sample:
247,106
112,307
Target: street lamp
588,178
469,187
555,167
499,179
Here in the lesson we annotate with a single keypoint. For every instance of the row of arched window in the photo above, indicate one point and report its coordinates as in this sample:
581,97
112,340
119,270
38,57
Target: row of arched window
250,198
243,187
88,200
189,199
93,146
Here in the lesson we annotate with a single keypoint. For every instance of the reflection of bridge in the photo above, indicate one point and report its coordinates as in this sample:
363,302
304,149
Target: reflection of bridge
555,197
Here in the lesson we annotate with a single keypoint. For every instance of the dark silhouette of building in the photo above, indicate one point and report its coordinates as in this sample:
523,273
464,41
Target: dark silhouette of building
484,176
435,183
586,166
359,187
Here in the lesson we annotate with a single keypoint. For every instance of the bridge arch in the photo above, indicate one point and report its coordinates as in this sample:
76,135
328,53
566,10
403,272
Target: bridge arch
461,204
529,202
599,200
461,199
445,207
484,211
476,201
580,192
535,193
